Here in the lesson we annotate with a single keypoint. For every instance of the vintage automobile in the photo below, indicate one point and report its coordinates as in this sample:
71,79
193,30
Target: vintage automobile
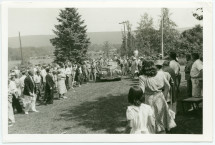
109,72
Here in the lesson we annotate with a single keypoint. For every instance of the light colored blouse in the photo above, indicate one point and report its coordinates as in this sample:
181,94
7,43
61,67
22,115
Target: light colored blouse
141,118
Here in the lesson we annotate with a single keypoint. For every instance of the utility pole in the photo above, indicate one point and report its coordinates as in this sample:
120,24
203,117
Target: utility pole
162,51
124,24
20,47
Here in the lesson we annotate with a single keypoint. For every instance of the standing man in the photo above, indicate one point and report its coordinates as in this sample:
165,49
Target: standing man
38,82
29,100
187,74
68,72
49,89
196,74
43,73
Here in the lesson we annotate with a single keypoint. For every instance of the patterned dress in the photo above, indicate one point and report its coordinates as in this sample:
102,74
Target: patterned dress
61,83
152,88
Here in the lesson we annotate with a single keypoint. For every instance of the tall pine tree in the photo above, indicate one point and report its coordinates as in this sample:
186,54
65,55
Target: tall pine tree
71,41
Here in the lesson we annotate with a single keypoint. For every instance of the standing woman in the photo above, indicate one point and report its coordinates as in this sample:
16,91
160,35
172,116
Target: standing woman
15,94
74,68
93,69
152,82
176,67
61,77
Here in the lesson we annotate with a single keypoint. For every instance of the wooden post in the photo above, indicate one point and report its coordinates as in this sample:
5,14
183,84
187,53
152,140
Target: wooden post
20,47
162,51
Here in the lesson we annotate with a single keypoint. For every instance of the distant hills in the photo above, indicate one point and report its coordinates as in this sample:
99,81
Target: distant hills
44,40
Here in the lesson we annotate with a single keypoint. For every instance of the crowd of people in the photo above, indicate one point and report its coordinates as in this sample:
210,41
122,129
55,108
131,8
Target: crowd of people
36,85
150,109
150,102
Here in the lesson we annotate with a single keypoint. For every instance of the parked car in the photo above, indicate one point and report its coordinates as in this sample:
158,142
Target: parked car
110,72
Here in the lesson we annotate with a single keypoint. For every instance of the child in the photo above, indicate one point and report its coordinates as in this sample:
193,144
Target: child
139,115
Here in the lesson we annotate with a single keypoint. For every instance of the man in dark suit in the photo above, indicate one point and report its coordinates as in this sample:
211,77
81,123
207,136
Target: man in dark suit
49,89
29,93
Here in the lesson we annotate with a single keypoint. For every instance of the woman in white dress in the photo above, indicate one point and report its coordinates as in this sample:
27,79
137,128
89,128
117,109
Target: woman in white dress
140,116
61,77
156,88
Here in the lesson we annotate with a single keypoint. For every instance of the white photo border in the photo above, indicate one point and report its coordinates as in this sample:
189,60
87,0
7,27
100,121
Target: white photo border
208,74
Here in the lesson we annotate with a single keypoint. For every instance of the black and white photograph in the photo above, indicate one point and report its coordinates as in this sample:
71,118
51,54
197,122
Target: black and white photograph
107,70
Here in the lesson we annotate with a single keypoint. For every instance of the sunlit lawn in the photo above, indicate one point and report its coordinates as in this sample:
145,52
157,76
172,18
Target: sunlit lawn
95,108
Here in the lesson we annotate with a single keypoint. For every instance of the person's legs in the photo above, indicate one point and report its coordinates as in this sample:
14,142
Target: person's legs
10,113
51,96
16,104
196,88
27,103
189,88
33,103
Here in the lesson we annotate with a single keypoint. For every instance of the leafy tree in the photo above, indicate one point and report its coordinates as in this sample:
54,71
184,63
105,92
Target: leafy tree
71,41
146,36
170,33
192,40
130,40
123,48
106,49
198,14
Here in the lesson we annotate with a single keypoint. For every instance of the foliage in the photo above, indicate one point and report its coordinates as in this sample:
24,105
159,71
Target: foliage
71,41
192,40
128,40
198,14
106,49
123,49
170,33
146,36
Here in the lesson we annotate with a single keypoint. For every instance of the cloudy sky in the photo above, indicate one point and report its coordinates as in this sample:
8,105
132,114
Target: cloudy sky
37,21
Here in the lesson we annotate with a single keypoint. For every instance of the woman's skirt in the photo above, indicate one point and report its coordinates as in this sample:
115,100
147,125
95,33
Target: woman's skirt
61,86
164,117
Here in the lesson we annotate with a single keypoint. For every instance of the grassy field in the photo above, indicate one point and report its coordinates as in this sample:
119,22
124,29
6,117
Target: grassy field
96,108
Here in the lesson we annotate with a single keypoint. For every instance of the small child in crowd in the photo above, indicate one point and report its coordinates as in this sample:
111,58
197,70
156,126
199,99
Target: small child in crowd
140,116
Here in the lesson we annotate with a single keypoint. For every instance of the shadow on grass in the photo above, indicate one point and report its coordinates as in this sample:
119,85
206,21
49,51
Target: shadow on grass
108,113
187,122
105,113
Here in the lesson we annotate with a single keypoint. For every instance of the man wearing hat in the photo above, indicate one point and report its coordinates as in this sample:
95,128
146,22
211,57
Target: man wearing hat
29,93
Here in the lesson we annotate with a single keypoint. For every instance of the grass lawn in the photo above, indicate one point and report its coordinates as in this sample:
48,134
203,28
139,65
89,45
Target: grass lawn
96,108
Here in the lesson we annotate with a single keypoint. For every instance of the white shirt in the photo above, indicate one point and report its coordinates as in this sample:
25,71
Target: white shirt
68,71
37,79
17,72
175,66
80,70
35,70
43,73
139,119
196,68
22,80
12,87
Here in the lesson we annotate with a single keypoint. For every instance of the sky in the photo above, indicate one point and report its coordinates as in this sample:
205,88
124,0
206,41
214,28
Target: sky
41,21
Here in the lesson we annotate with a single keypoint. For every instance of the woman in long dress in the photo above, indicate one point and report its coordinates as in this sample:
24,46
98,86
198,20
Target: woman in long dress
156,88
61,77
